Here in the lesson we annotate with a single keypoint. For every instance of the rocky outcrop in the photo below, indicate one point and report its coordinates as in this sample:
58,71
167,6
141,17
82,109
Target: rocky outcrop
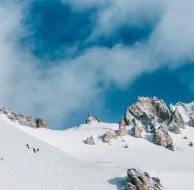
177,119
162,137
90,119
22,120
41,123
147,111
90,140
139,180
122,131
108,136
192,121
122,128
137,131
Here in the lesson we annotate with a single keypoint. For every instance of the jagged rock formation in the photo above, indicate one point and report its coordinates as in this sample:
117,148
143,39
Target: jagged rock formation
25,121
151,113
137,131
41,123
122,131
148,111
177,119
109,135
162,137
90,119
90,140
186,110
139,180
122,128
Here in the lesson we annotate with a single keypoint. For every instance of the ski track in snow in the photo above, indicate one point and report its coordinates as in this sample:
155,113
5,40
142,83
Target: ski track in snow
64,162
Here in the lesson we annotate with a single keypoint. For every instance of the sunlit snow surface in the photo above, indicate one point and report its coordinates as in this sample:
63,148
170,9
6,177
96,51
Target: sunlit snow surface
64,162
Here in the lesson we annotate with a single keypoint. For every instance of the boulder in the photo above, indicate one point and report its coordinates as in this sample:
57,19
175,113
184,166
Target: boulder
137,131
162,137
90,140
139,180
41,123
109,135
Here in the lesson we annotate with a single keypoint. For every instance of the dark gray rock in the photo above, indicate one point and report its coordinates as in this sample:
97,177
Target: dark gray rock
191,144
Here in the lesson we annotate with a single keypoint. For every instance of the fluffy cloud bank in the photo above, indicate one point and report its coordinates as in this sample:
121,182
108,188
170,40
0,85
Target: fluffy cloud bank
73,85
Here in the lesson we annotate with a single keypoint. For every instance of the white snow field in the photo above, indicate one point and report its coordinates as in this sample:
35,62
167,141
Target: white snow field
64,162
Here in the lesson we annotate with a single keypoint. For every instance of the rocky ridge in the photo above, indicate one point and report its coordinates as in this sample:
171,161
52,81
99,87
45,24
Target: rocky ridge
152,116
139,180
147,115
28,121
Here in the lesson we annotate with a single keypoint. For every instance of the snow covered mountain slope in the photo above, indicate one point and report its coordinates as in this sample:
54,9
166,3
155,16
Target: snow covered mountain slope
48,169
96,155
81,166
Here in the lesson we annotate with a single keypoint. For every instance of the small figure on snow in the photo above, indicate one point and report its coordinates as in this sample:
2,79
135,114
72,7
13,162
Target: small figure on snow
27,146
34,150
37,150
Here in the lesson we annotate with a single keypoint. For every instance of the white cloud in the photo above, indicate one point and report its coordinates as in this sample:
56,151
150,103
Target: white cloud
131,13
173,39
72,85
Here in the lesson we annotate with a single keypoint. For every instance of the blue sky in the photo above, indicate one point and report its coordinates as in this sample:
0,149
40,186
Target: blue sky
64,59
